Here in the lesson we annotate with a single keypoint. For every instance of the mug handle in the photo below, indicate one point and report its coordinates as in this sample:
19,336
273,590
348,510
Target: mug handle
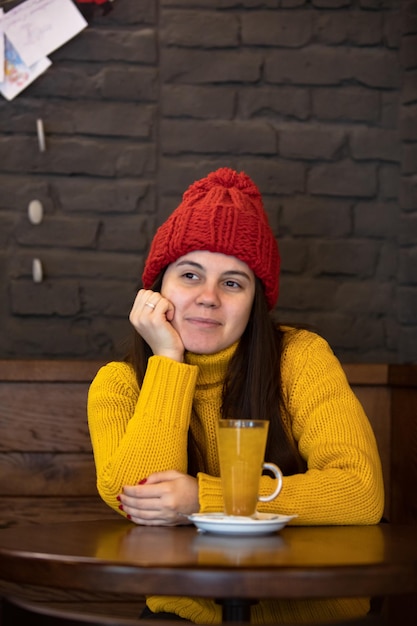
278,475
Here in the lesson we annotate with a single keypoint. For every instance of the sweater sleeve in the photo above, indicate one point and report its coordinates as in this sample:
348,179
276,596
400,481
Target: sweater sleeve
343,483
135,433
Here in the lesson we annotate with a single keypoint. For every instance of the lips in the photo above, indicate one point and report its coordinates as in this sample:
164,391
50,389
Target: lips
203,321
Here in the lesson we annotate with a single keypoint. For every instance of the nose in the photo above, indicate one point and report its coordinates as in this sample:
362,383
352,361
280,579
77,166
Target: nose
208,296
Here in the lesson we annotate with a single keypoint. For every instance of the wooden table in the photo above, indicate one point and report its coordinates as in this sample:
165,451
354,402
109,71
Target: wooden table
298,562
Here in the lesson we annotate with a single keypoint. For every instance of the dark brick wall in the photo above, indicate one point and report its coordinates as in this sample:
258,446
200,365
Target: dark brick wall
316,100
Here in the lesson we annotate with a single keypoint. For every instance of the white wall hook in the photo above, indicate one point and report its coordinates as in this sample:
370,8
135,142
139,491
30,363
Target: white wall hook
37,271
35,211
41,135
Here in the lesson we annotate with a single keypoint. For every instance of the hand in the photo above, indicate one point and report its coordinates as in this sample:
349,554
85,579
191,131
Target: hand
165,499
151,316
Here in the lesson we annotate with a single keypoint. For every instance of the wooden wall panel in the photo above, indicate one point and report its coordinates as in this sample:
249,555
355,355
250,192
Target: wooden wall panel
21,511
47,474
47,471
376,401
44,416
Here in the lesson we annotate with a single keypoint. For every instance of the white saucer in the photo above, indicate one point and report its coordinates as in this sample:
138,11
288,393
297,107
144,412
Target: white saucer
261,524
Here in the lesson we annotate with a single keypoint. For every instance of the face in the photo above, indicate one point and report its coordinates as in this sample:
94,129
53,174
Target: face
212,294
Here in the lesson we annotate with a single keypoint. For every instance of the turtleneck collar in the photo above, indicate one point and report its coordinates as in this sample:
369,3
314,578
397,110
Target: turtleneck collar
212,367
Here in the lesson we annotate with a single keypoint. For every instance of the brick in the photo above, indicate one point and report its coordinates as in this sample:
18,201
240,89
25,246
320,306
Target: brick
387,261
407,305
408,193
374,67
342,178
132,234
107,298
199,29
59,264
310,141
331,4
131,13
409,158
17,191
316,66
409,51
66,337
367,297
198,102
388,181
274,176
7,226
348,257
93,80
408,229
207,66
176,174
409,91
115,119
359,330
306,216
406,344
58,231
390,106
375,144
407,266
330,27
79,156
375,4
408,123
271,101
286,28
376,219
343,27
217,136
105,45
355,104
392,28
104,196
320,65
305,293
294,256
46,298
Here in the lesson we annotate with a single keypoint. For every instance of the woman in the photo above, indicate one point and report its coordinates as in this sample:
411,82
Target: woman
206,348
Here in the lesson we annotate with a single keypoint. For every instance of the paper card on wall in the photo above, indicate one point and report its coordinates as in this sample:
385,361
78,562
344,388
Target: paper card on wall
38,27
17,75
1,49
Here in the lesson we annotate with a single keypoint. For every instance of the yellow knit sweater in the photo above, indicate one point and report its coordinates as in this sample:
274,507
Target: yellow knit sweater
136,432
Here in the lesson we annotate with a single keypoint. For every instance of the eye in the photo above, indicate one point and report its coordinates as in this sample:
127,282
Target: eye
233,284
189,276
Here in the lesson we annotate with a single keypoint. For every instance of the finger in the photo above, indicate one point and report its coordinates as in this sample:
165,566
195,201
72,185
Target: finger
160,477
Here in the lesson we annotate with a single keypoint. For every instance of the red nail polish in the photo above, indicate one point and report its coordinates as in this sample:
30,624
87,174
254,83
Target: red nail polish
118,498
128,516
121,507
142,482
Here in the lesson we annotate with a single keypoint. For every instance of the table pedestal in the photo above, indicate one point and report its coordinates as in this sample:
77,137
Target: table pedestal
235,610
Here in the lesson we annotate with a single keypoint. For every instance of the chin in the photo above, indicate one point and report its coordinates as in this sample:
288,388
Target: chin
203,349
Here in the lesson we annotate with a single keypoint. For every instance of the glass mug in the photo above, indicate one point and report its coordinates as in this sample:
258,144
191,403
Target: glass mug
241,446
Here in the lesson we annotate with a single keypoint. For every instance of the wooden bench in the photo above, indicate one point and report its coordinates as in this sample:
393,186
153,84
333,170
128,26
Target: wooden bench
47,471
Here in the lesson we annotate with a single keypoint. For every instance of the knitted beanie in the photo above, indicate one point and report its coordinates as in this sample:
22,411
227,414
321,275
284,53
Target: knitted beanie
223,213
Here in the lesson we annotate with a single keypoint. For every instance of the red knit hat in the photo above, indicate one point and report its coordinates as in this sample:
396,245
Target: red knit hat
223,213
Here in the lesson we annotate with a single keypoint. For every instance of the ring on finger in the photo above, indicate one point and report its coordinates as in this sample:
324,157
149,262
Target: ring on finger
150,305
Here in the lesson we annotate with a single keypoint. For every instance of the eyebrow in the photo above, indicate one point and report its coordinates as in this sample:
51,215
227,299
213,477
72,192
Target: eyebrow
201,267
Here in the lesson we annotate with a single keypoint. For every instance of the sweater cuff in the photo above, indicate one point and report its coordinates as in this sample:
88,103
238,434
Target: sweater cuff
210,494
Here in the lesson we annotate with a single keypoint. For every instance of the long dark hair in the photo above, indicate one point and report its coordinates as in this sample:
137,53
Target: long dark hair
252,388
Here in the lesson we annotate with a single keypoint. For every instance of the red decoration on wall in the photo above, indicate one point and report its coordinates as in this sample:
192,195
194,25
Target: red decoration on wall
87,7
